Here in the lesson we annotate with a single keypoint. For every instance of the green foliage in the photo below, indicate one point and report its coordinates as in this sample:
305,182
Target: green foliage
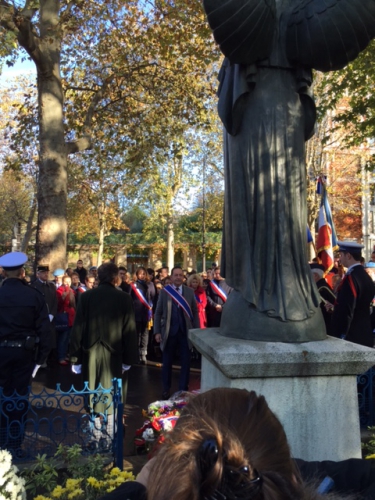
83,478
350,94
369,446
42,476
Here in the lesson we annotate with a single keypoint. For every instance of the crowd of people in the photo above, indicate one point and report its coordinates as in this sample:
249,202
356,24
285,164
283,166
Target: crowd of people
103,319
63,293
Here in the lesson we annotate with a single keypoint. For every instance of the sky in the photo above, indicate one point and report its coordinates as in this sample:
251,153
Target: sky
20,68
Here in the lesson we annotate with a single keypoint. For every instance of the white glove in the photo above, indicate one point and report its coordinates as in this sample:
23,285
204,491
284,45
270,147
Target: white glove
35,370
125,368
76,369
50,317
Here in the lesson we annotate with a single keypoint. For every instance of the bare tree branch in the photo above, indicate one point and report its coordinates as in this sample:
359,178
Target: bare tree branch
85,142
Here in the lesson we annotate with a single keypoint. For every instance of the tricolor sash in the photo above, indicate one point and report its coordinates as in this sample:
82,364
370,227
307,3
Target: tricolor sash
140,296
179,300
197,299
218,291
143,301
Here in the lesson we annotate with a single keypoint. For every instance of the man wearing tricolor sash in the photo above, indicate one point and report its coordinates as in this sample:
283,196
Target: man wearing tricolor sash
175,314
217,294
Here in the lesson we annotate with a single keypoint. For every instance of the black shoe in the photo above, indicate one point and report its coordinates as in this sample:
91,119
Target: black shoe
165,395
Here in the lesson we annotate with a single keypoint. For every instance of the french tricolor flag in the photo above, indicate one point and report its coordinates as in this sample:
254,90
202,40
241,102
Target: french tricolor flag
326,242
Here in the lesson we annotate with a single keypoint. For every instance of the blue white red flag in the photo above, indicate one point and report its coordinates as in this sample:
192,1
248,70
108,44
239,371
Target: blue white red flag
326,242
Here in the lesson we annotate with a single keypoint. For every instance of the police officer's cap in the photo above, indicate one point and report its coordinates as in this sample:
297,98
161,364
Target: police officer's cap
13,260
58,272
42,268
93,268
350,246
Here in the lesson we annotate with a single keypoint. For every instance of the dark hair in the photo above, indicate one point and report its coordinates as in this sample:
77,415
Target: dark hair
356,255
176,267
150,270
122,268
107,272
226,441
217,268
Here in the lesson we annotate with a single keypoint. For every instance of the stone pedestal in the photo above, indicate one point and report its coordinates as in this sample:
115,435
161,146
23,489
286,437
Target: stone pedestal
311,387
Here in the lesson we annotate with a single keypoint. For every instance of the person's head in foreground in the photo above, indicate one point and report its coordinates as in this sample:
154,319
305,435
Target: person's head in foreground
227,444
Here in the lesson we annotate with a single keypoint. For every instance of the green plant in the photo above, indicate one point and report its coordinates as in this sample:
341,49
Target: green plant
69,475
369,446
42,476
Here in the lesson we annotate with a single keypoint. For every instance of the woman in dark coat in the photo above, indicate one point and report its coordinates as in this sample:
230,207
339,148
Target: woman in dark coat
141,294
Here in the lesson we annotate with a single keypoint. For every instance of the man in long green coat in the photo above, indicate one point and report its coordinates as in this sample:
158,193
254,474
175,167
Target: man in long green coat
104,339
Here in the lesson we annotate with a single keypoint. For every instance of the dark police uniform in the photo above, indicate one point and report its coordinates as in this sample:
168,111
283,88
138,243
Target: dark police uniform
351,316
48,290
326,293
24,342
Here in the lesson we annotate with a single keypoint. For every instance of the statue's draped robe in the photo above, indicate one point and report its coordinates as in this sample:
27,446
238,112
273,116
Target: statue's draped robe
268,115
264,241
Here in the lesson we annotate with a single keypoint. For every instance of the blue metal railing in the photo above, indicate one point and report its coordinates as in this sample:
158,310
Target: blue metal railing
32,424
365,383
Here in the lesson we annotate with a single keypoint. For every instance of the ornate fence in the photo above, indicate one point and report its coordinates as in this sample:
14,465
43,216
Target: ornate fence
366,398
38,423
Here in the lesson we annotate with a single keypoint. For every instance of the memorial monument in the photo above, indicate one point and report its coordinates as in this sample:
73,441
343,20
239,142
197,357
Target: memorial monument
265,104
272,336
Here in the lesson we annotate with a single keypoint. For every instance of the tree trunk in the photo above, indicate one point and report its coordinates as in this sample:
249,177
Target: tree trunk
170,243
101,241
52,185
29,227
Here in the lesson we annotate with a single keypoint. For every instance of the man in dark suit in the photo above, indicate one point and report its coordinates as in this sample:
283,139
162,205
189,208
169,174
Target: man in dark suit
351,316
217,292
104,340
327,296
176,313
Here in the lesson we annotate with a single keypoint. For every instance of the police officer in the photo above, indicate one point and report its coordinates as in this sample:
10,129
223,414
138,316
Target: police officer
24,343
48,290
351,317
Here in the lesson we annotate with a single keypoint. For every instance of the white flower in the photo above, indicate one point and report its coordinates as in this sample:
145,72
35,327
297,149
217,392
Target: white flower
12,487
148,435
167,426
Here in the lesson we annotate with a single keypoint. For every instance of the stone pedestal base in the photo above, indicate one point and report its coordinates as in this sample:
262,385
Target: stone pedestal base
311,387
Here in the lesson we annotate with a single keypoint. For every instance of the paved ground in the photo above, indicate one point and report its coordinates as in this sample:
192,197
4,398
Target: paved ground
144,387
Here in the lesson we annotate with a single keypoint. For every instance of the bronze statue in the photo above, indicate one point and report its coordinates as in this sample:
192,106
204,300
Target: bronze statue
271,46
